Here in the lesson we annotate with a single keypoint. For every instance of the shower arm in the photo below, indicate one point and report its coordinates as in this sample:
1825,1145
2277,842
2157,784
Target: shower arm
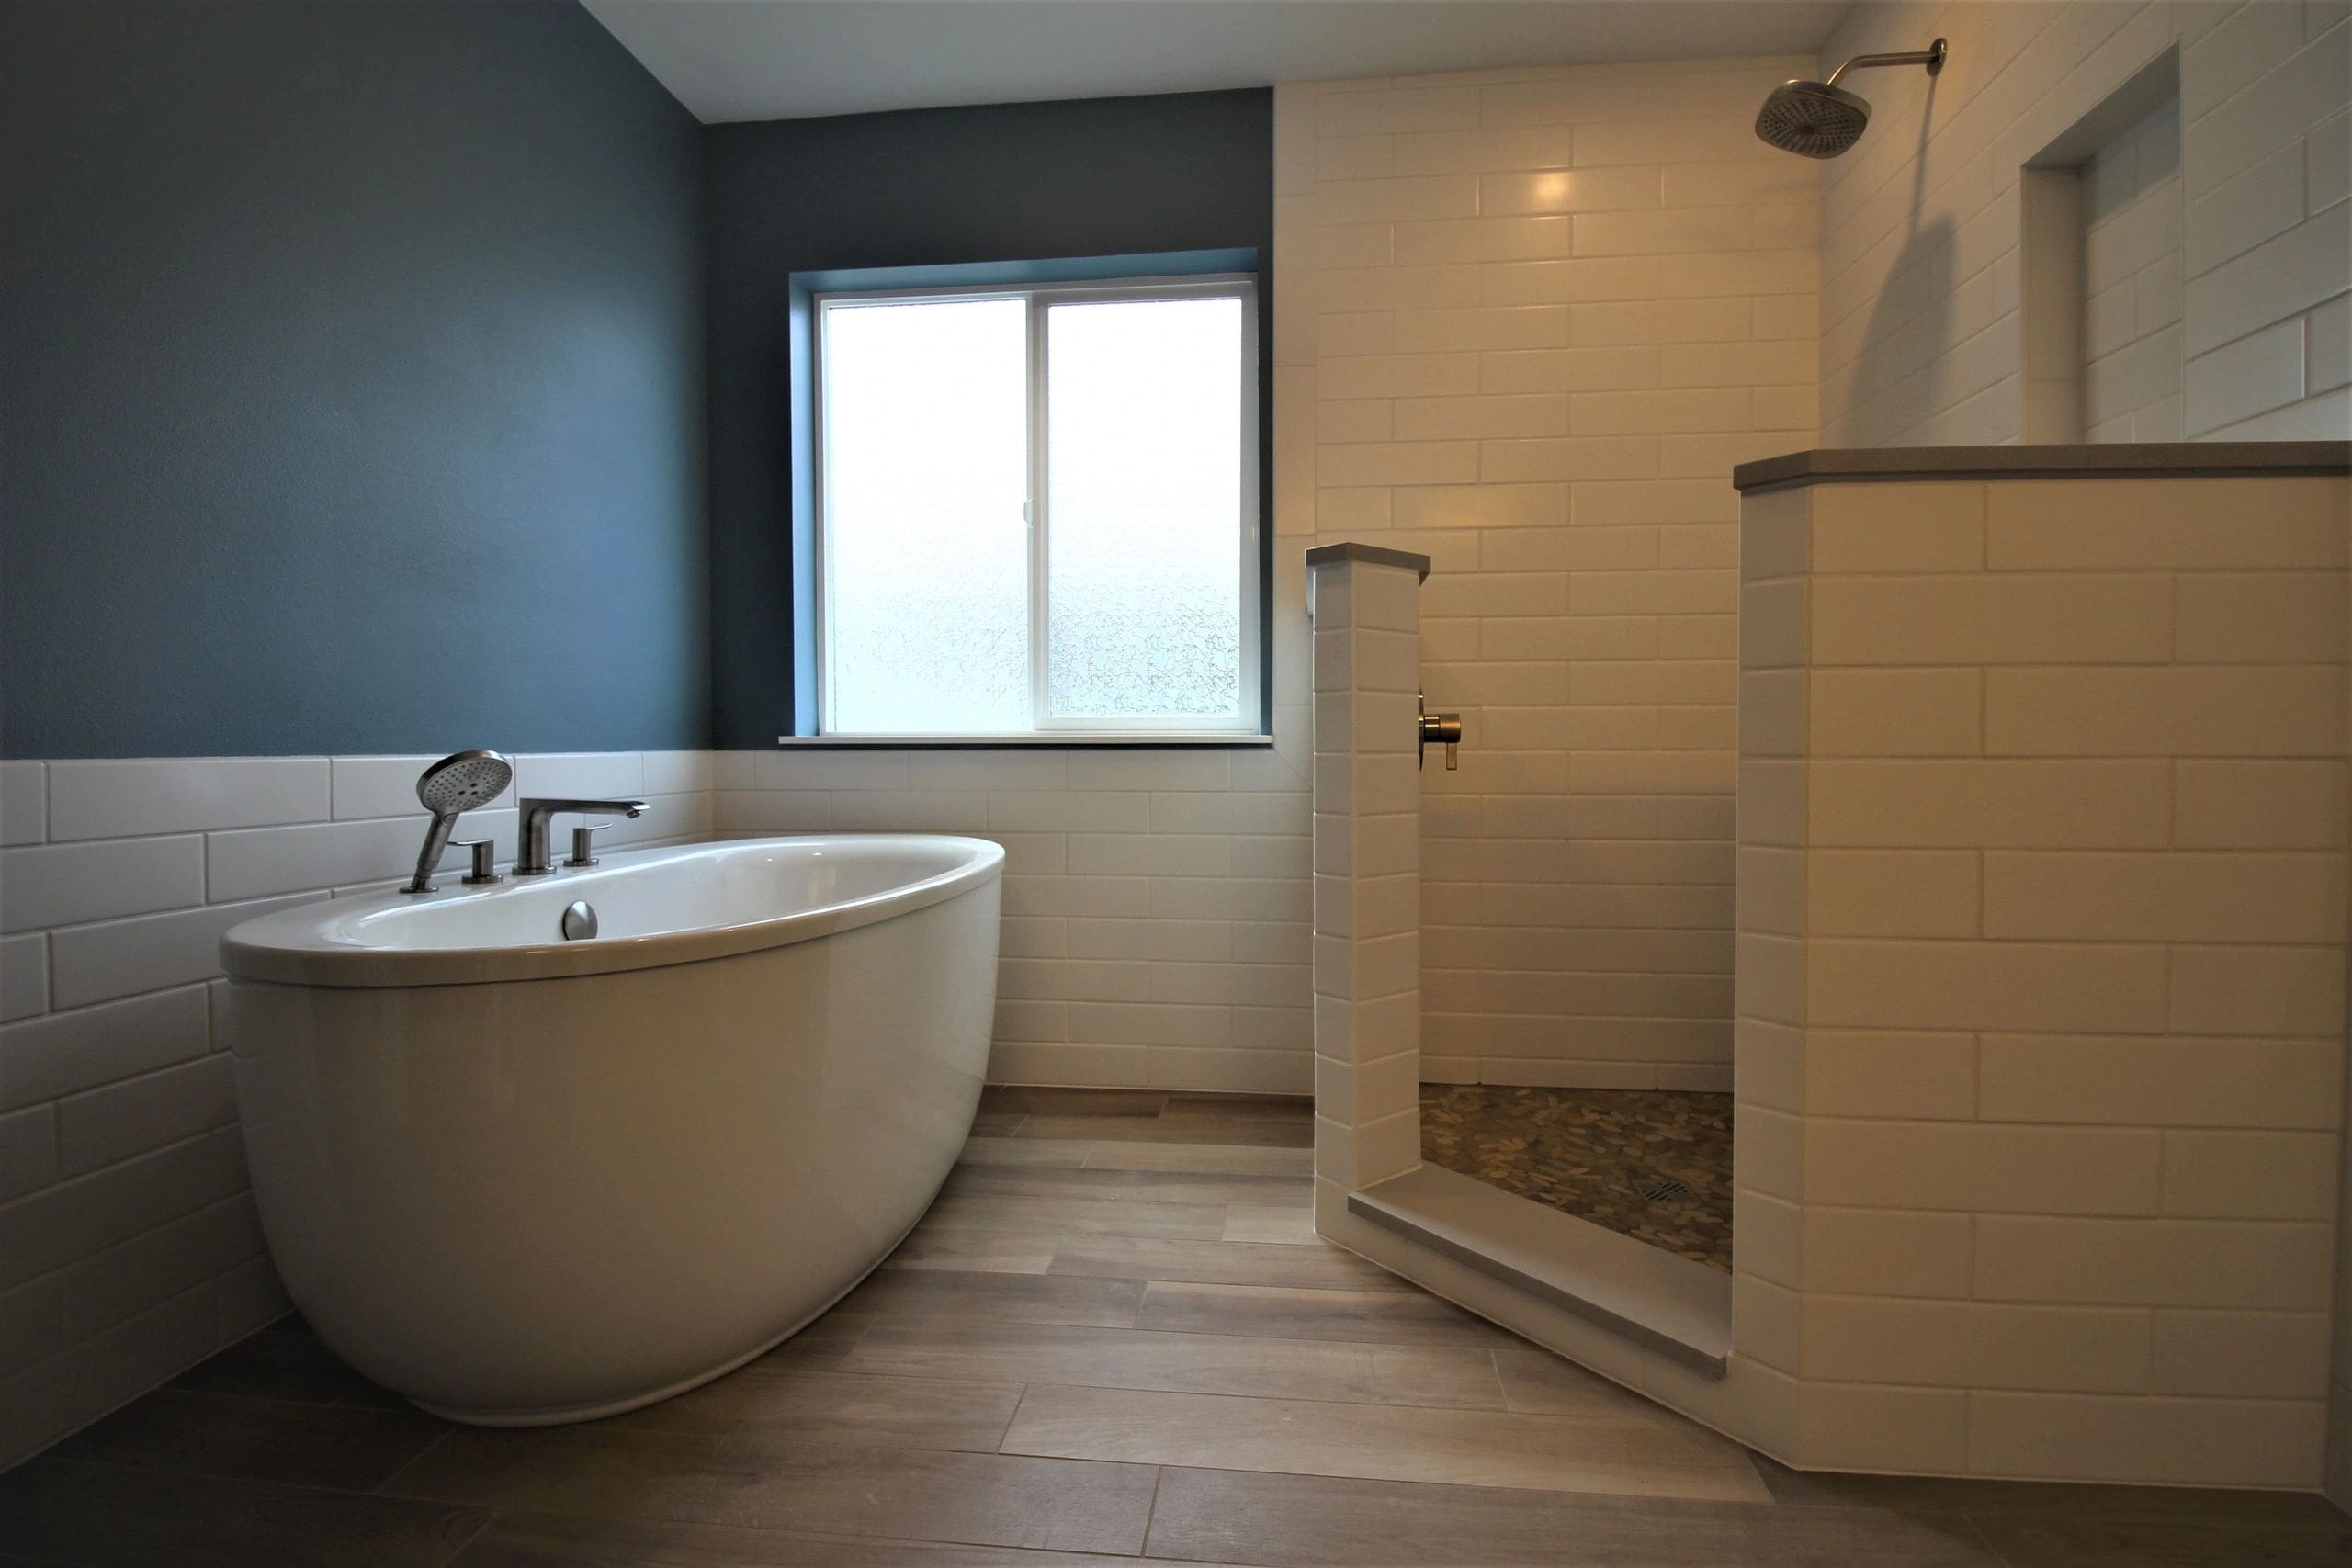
1932,58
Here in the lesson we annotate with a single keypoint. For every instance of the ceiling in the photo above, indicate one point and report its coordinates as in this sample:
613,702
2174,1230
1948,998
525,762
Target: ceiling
734,60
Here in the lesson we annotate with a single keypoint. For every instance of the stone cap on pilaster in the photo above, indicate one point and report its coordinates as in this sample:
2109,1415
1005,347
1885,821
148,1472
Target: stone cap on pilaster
1370,554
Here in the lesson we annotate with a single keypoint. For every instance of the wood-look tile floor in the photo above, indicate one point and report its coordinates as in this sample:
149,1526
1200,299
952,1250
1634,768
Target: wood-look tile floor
1113,1339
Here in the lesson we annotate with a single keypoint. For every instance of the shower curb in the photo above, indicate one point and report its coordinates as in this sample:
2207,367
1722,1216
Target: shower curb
1665,1304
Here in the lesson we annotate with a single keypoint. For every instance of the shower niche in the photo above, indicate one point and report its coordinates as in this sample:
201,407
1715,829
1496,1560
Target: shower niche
2101,281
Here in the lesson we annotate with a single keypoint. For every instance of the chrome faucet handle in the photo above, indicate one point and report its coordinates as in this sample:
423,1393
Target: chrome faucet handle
583,842
486,861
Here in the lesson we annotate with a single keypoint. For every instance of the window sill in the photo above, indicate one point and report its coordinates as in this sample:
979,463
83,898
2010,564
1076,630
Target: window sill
1076,739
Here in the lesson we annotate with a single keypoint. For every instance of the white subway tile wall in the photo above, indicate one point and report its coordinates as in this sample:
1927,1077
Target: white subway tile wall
1157,903
1919,252
2041,990
1525,324
129,1245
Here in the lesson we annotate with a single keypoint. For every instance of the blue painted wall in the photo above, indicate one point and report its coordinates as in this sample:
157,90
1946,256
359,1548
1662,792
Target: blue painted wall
358,358
1016,182
353,396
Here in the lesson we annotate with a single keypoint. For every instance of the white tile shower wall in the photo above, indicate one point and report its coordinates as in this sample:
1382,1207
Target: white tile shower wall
1525,324
2132,283
1920,286
1157,903
129,1245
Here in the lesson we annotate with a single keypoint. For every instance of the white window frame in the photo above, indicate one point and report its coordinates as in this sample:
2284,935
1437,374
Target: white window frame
1247,726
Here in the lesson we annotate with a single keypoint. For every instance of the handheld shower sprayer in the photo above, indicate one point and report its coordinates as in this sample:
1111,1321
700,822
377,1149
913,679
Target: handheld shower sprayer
450,787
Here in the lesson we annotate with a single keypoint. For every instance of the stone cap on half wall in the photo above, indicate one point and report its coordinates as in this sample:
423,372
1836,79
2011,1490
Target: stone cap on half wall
2112,460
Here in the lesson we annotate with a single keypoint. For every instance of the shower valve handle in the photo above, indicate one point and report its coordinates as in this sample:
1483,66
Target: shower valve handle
1440,729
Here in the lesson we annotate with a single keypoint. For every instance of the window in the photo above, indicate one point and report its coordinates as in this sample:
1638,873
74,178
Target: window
1037,512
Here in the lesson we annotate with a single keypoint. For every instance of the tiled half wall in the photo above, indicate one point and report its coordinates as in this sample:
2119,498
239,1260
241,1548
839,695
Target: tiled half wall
2041,977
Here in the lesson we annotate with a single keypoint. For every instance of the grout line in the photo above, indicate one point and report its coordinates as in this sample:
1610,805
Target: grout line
1653,1414
384,1488
1151,1511
489,1516
1006,1436
1977,1528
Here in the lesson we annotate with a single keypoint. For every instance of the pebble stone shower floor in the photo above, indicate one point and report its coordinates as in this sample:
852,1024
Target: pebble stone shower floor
1115,1340
1590,1151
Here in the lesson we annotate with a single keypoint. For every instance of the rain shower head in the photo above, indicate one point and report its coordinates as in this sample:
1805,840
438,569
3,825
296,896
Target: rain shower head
1813,119
1821,120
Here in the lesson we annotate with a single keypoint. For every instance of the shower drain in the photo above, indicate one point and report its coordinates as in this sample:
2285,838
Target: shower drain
1664,1192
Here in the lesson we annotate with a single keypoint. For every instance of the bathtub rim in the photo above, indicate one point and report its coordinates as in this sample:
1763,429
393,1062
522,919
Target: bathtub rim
296,947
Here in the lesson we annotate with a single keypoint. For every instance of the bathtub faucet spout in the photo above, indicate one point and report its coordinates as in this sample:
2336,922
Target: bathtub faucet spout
533,856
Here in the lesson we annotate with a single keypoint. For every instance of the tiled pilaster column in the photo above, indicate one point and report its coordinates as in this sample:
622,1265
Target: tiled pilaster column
1366,606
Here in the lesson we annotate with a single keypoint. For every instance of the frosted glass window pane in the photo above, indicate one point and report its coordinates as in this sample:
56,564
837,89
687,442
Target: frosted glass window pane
1144,513
926,548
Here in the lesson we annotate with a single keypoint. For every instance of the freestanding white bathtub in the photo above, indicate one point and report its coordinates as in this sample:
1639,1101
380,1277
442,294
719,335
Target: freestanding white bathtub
524,1180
